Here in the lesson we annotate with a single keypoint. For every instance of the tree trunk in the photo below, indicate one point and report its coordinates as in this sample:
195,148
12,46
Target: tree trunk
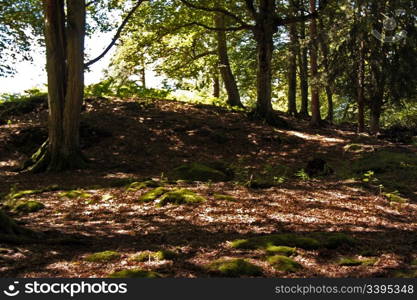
303,66
315,100
361,88
233,96
216,86
264,32
64,38
292,70
324,43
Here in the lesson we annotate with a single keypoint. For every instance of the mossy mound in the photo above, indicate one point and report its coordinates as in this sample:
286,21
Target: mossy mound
284,263
198,172
351,262
135,273
310,242
138,185
282,250
75,194
394,197
24,206
234,268
180,196
224,197
23,193
154,194
154,256
260,183
104,256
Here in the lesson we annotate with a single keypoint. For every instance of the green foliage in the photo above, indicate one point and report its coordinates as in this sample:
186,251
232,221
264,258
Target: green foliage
283,263
154,256
104,256
110,88
135,273
153,194
302,175
198,172
395,197
234,268
180,196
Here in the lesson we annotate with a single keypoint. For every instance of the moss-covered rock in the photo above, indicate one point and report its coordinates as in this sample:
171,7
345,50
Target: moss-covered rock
154,194
310,241
180,196
135,273
75,194
27,206
138,185
224,197
198,172
351,262
154,256
284,263
282,250
104,256
234,268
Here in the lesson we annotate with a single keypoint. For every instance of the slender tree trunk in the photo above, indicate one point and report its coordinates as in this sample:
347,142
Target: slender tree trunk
216,86
143,74
315,100
303,66
292,70
64,38
324,44
361,88
233,96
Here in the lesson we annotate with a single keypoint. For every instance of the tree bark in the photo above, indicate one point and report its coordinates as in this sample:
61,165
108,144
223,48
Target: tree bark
303,66
264,32
64,38
315,100
361,88
292,70
233,96
216,86
324,43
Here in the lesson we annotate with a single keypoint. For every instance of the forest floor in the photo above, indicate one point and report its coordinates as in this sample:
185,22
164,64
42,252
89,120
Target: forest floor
371,196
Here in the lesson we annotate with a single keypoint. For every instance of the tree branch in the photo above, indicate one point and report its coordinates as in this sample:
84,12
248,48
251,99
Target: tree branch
251,8
279,21
117,35
220,10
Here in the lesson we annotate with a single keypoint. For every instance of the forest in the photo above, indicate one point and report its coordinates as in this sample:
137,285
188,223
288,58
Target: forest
247,138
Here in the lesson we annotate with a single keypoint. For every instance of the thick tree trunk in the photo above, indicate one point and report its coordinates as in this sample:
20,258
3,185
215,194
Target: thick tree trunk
292,70
233,96
264,32
315,100
303,66
361,88
64,39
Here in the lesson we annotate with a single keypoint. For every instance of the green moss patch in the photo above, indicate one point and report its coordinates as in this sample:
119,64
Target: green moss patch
283,263
282,250
180,196
154,256
198,172
224,197
75,194
350,262
138,185
309,242
104,256
135,273
27,206
405,274
153,194
394,197
234,268
23,193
